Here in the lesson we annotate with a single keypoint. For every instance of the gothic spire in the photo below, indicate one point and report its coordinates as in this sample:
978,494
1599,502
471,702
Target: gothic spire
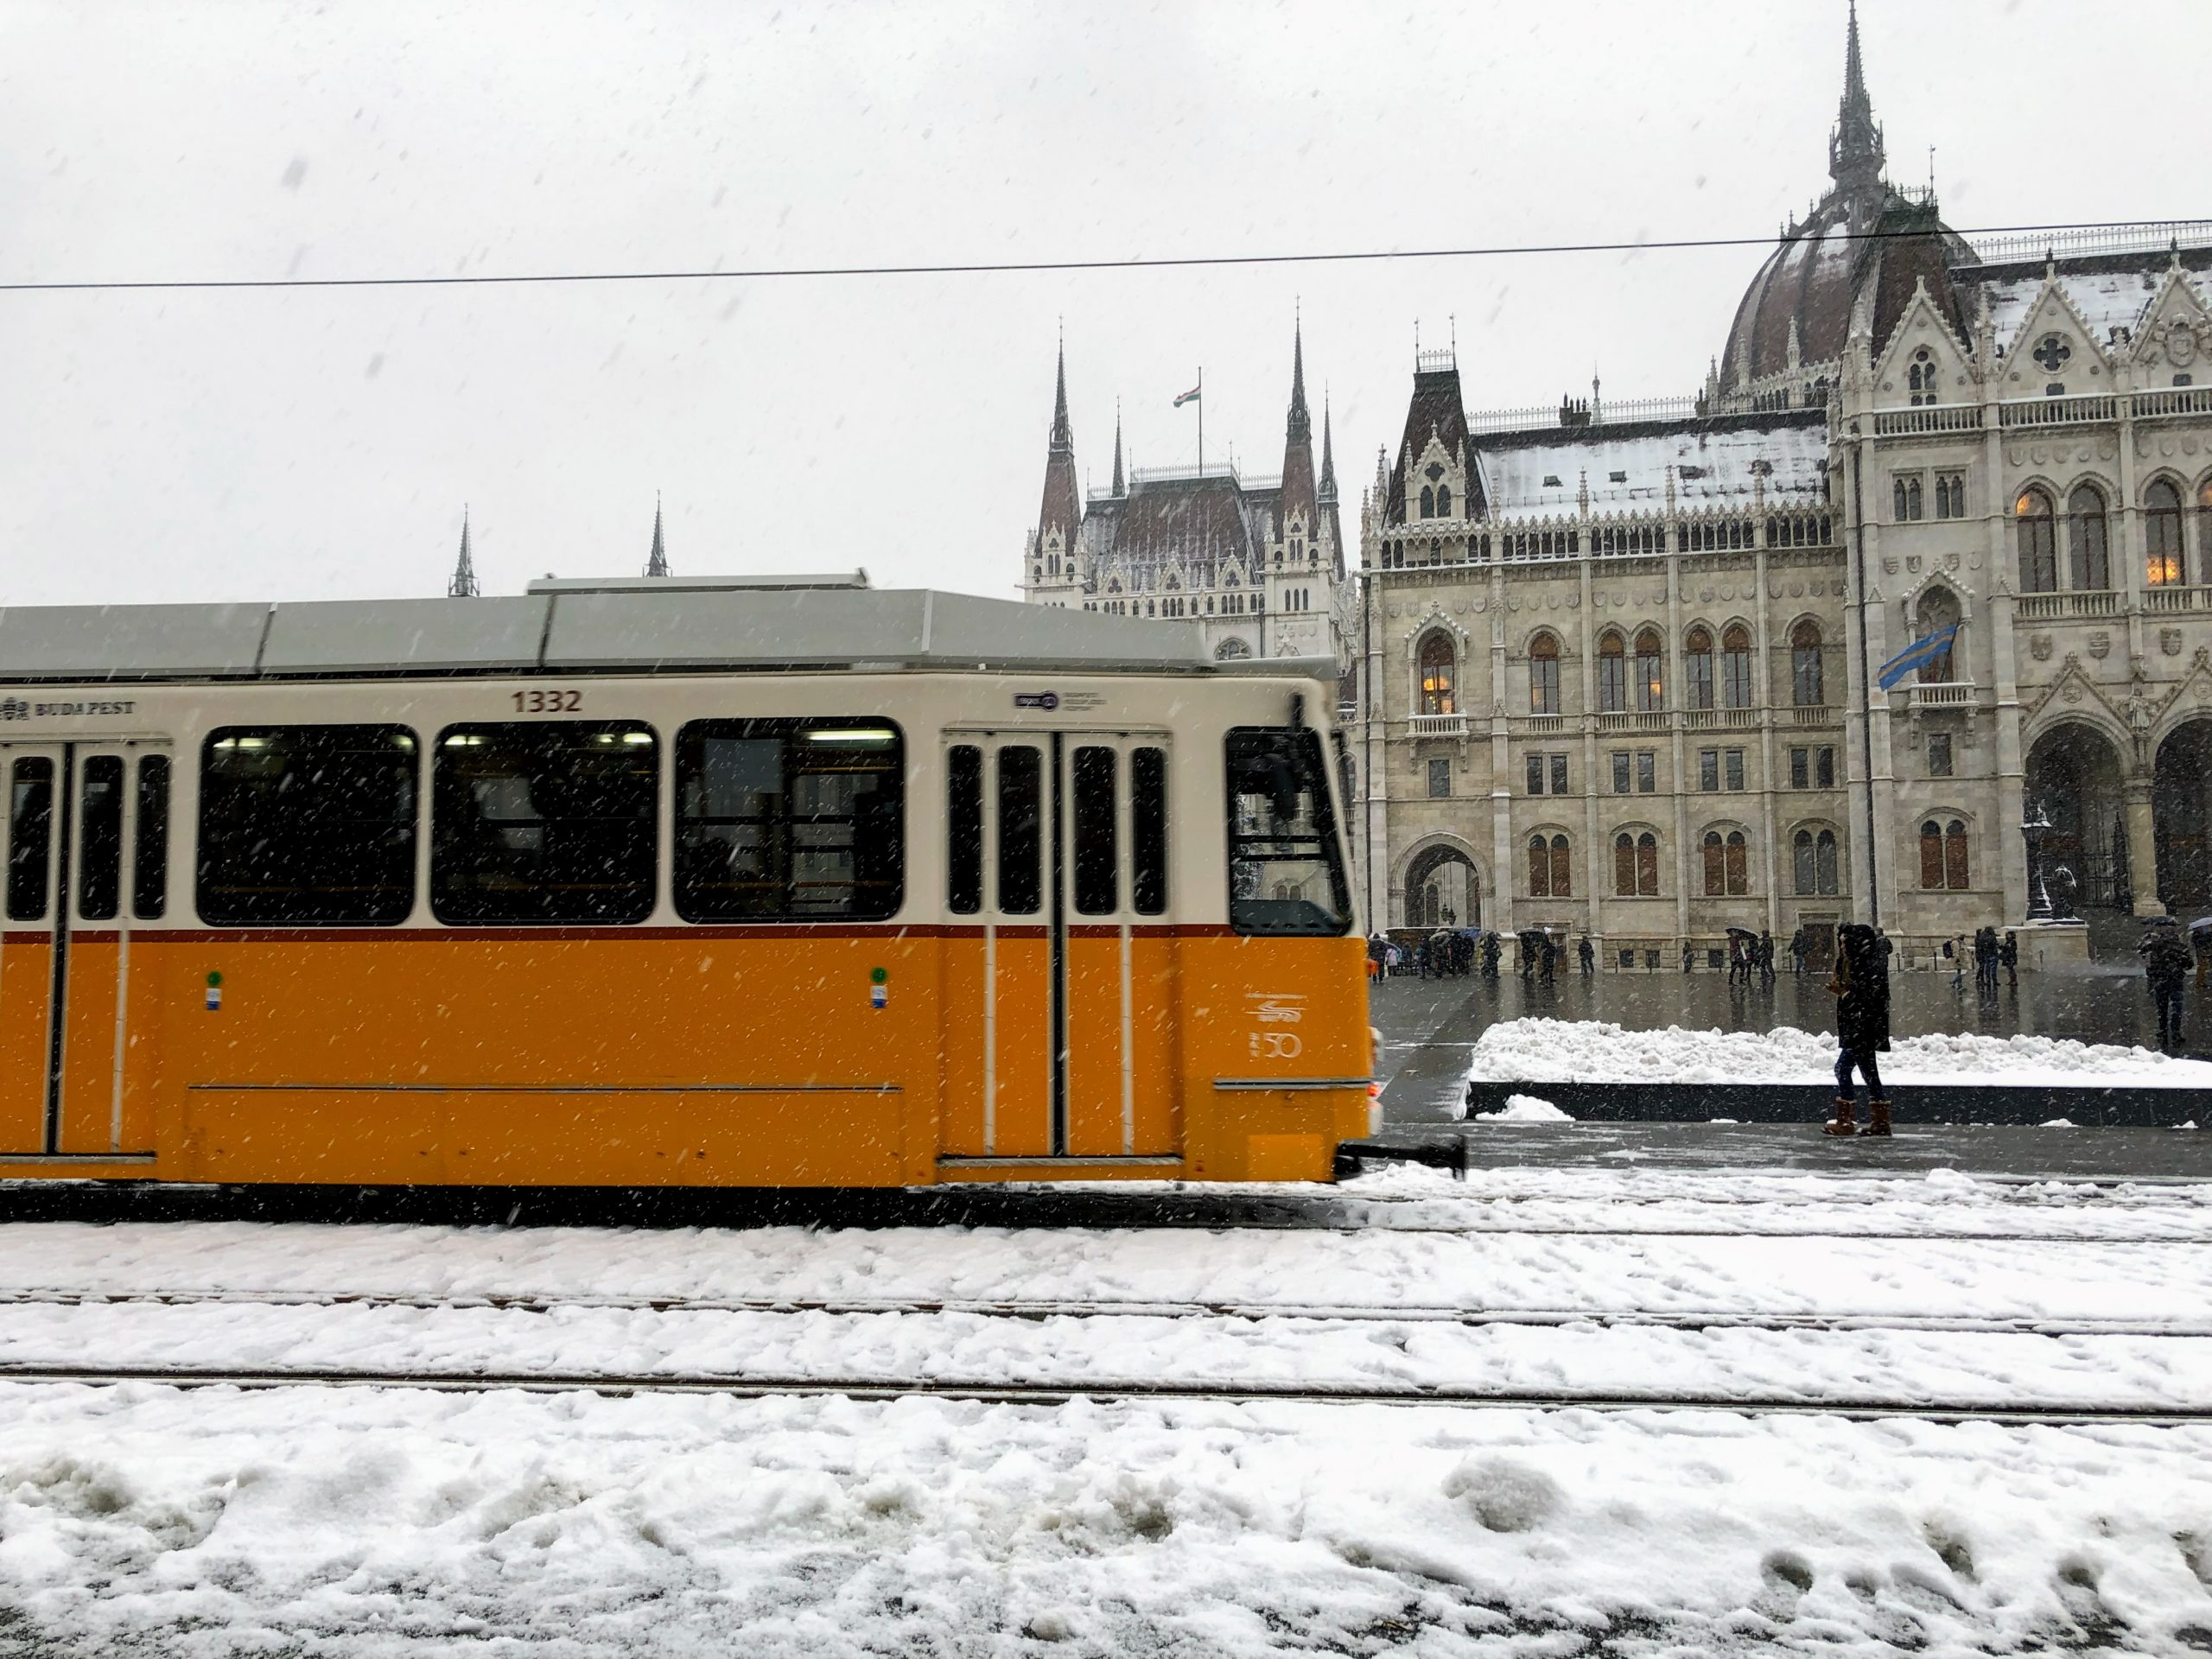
1302,423
463,585
1855,146
1119,487
1328,458
657,561
1063,433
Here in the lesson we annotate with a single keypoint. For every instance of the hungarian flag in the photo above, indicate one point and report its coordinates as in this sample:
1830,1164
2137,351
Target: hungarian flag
1918,654
1190,396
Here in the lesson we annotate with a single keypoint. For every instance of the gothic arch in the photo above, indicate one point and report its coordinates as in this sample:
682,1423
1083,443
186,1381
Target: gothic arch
1557,639
1460,887
1230,650
2181,798
2075,771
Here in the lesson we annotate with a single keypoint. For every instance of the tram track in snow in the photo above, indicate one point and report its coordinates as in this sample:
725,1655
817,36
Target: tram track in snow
982,1391
1036,1310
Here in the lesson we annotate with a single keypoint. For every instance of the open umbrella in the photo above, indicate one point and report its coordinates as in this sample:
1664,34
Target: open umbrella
1743,934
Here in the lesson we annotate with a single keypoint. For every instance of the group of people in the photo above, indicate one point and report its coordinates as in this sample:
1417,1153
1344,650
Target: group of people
1446,954
1988,953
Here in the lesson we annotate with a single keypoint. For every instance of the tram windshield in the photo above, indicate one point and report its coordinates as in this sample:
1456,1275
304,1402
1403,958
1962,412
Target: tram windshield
1286,859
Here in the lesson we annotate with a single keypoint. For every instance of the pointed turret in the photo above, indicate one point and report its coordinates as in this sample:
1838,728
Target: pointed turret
657,561
1060,512
1855,146
1298,495
1120,487
463,585
1328,459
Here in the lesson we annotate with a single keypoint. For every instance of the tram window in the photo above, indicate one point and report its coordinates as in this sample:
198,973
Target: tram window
1148,830
1096,822
150,859
1285,861
964,830
99,839
544,821
310,825
30,837
1022,839
788,820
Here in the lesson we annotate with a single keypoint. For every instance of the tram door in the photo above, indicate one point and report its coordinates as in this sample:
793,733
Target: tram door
1059,848
86,832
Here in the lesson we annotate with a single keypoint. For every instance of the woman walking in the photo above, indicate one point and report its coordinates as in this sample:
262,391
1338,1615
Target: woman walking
1862,1028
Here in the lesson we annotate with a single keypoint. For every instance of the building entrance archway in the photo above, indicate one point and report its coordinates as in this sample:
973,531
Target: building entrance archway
1443,889
2181,808
2074,775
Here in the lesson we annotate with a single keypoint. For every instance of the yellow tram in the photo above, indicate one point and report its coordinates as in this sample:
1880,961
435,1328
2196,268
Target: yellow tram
735,883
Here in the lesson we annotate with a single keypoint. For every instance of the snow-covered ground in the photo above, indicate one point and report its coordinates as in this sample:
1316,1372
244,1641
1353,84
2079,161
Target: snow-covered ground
1568,1050
324,1520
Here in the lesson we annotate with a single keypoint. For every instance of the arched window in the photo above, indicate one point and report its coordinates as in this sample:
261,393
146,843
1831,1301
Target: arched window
1944,854
2162,534
2035,527
1813,862
1805,689
1612,674
1428,502
1937,610
1906,500
1920,377
1647,864
2205,531
1736,666
1650,676
1739,864
1444,501
1625,865
1547,872
1439,671
1715,866
1727,864
1697,664
1543,675
2088,560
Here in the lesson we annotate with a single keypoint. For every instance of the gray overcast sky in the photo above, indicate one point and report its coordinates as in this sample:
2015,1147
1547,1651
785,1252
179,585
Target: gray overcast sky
320,443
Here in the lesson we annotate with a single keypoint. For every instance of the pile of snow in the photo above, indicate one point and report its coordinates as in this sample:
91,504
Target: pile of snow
1524,1108
1572,1050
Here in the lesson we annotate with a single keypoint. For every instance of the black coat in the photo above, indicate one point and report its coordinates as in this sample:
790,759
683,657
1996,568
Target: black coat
1862,1015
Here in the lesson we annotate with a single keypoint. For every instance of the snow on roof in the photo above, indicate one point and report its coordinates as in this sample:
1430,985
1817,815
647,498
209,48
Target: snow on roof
1713,466
2105,299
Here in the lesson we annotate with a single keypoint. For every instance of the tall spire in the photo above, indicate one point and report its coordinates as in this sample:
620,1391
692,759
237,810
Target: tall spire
1063,433
1328,458
1302,423
463,585
1119,487
657,561
1298,497
1855,146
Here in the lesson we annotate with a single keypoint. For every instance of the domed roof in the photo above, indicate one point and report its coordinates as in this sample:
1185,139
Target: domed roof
1865,231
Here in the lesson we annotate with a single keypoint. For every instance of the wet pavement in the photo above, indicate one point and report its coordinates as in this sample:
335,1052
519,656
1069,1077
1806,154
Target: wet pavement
1428,1027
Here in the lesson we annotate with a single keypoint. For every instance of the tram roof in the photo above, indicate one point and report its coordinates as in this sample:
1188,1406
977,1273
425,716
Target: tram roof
625,628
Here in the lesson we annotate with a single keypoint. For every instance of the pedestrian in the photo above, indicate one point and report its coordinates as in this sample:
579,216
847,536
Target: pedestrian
1766,957
1528,958
1861,986
1490,948
1797,953
1550,957
1686,958
1956,949
1588,954
2165,963
2009,954
1985,958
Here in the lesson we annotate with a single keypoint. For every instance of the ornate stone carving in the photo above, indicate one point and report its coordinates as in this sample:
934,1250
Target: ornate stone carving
1912,562
2071,691
1889,565
2169,641
2100,644
2039,646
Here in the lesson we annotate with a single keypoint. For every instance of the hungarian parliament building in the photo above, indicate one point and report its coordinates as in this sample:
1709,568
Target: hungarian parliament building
1609,670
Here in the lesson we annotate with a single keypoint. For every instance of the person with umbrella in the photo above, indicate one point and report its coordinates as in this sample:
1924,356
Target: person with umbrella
1861,985
2165,963
1587,954
1740,943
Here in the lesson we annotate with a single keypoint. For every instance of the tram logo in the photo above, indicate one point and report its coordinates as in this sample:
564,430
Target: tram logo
1045,700
1275,1008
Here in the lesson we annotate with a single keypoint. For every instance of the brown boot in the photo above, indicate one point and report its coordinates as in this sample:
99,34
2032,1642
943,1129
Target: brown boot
1878,1117
1846,1113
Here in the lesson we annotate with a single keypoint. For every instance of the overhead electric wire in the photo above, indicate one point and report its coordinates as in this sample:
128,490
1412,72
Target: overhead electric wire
1016,266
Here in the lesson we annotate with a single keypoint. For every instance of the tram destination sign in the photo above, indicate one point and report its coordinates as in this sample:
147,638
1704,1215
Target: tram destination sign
13,708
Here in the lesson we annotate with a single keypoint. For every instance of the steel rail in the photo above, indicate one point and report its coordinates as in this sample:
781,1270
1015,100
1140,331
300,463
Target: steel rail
1036,1310
1110,1390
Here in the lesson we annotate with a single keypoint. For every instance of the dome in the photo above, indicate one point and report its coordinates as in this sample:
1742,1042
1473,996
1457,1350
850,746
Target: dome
1808,286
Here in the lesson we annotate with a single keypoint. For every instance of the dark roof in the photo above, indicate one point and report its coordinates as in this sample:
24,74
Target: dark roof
1172,520
1436,408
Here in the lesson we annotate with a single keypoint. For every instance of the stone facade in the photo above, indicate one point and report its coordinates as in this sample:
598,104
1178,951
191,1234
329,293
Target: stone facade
1614,664
1258,563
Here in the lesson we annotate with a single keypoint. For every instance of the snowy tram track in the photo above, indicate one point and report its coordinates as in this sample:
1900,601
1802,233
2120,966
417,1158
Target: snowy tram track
1034,1311
1113,1391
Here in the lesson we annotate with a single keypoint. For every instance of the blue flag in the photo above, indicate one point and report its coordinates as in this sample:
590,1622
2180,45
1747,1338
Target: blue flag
1918,654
